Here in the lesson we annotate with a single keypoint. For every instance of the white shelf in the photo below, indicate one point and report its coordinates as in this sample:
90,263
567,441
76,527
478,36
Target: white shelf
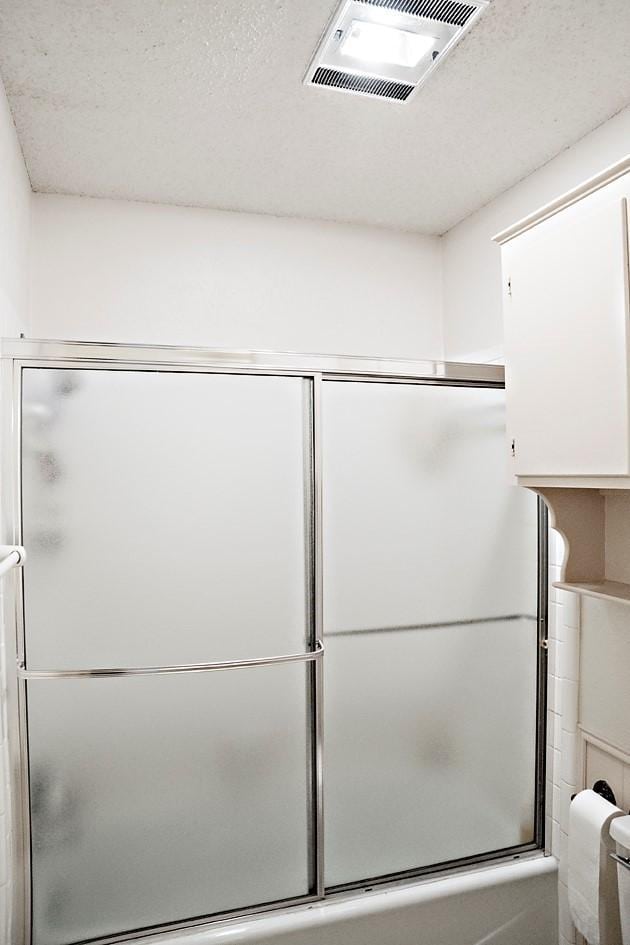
606,590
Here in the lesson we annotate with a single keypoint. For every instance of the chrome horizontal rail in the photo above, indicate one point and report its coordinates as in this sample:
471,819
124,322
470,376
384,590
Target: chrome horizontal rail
404,628
163,356
307,657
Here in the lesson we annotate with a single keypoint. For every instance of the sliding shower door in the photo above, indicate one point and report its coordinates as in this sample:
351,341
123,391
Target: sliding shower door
430,628
192,533
167,518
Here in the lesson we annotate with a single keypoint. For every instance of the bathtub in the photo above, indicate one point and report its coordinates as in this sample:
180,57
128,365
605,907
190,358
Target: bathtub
512,903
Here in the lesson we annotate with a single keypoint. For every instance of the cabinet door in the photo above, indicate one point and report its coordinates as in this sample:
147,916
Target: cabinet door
566,305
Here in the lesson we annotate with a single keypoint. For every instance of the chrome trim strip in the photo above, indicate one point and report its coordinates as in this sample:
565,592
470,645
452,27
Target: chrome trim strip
275,361
516,852
317,669
542,666
19,903
403,628
313,636
308,657
198,923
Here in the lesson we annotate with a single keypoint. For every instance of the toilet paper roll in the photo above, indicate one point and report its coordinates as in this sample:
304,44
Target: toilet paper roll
593,893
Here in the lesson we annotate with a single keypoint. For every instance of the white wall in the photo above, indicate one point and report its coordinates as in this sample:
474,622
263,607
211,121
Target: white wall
472,262
107,270
15,195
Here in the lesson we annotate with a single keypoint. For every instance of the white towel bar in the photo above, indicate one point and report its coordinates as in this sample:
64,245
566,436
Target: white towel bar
12,556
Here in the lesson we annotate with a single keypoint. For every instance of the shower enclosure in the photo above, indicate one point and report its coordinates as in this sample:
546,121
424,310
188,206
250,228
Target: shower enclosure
281,632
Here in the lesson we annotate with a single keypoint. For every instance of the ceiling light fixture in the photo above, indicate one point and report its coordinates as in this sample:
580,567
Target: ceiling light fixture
388,48
372,42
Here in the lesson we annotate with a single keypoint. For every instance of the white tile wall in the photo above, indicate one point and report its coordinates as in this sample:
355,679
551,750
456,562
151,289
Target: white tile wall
562,736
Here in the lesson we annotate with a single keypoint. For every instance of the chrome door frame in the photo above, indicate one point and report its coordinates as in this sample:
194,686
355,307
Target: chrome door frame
17,354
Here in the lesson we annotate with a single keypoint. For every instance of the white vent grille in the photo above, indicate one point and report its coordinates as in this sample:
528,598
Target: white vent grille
444,11
366,85
382,67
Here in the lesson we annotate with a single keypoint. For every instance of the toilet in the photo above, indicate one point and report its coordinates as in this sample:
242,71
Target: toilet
620,832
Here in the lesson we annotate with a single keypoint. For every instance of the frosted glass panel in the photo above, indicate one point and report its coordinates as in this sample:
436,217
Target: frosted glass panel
430,622
164,515
155,799
429,746
422,523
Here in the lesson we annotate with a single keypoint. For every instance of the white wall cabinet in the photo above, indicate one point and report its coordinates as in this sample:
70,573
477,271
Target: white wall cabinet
566,317
565,285
566,279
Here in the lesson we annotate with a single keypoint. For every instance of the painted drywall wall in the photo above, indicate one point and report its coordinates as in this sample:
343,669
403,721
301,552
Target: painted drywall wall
116,271
472,262
15,196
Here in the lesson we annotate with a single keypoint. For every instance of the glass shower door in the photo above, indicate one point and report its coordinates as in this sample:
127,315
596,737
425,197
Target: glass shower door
167,517
430,624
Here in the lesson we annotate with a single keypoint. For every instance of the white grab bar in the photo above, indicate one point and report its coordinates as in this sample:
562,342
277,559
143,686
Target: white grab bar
12,556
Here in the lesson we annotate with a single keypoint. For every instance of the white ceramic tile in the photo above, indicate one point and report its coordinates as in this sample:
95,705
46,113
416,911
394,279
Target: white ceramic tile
570,609
566,790
555,838
564,918
553,620
568,665
556,801
569,704
568,747
564,857
552,659
557,767
554,575
554,722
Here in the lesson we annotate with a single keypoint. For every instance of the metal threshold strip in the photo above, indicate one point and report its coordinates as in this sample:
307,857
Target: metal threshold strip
308,657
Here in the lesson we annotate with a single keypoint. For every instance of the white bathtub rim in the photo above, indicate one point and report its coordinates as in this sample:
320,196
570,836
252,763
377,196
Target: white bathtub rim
360,903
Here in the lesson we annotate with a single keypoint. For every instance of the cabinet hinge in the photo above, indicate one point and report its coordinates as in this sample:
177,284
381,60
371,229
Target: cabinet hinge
513,447
509,286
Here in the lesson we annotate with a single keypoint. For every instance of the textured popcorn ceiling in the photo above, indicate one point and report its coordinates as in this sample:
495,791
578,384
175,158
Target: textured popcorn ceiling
201,102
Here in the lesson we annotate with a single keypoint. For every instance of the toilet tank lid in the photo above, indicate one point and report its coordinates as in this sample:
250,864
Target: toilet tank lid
620,831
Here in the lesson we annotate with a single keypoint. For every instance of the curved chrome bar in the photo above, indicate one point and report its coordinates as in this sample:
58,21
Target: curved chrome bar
167,670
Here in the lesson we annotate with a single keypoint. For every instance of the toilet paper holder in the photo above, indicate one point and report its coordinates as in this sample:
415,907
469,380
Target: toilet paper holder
622,860
604,790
